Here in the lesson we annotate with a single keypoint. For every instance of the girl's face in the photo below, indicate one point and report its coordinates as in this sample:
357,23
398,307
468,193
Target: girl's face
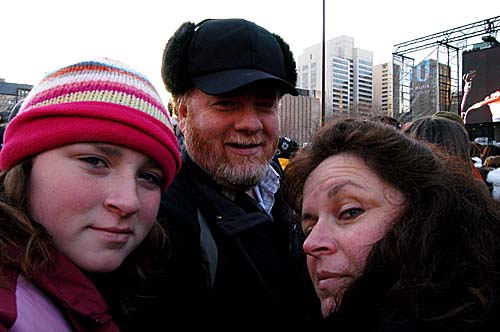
98,201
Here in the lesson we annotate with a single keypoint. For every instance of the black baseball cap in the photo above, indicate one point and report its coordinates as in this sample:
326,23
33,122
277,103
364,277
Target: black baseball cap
226,54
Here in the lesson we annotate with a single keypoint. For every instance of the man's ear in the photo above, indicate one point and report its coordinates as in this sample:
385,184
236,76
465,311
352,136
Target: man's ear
182,115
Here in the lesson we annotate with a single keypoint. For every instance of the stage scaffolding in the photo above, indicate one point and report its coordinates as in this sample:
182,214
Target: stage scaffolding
427,70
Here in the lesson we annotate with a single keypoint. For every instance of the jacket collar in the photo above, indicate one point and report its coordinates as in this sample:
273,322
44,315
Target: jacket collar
67,283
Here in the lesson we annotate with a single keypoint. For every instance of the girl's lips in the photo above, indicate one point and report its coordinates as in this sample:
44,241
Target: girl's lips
114,234
121,230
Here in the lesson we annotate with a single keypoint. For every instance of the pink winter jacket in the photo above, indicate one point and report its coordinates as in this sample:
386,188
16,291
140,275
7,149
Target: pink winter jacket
82,305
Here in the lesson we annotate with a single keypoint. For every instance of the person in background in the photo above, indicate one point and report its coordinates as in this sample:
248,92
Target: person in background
492,161
474,147
475,153
398,237
450,116
286,149
484,174
467,78
232,261
448,134
493,180
388,120
490,150
492,175
493,102
84,163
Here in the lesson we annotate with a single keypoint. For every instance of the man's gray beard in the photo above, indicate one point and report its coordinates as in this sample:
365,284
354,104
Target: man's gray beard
246,175
240,174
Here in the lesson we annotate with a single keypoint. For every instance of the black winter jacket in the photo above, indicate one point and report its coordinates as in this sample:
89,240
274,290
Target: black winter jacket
260,279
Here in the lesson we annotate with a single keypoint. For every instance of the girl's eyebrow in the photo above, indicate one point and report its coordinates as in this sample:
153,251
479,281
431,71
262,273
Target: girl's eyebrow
117,152
109,150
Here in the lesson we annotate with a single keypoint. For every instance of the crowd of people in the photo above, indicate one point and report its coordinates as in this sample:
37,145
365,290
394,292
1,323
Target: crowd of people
118,213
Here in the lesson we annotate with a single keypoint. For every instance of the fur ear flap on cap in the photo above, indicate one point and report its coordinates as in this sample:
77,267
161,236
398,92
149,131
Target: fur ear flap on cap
289,61
193,57
174,64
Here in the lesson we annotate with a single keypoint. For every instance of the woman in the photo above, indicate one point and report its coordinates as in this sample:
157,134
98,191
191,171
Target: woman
447,133
398,238
84,163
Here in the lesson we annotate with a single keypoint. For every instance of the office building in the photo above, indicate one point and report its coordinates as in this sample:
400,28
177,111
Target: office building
348,77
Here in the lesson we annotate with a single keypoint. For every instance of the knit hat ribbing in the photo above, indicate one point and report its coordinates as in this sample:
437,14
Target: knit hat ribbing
93,101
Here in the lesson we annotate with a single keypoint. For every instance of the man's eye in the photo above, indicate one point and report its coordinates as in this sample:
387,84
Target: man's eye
265,104
225,103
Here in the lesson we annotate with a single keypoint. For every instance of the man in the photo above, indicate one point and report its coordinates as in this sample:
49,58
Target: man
231,261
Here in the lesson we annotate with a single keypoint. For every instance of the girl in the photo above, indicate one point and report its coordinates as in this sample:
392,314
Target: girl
83,165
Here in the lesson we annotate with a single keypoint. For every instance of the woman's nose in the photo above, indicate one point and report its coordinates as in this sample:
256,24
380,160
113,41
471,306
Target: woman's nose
320,241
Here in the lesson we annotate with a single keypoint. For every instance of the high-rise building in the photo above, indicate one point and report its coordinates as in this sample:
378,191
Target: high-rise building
300,116
383,89
348,76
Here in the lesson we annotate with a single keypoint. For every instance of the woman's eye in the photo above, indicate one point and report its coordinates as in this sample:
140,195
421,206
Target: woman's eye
307,227
351,213
94,161
307,231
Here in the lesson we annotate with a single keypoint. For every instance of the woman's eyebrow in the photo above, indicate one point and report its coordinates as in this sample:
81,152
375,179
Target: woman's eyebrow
334,190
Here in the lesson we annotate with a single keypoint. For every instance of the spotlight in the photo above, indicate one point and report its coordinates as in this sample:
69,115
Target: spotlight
491,40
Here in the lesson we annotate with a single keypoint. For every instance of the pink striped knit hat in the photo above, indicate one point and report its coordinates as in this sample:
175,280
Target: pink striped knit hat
93,101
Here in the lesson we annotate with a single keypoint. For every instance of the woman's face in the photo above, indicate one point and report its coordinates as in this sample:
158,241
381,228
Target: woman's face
346,209
97,201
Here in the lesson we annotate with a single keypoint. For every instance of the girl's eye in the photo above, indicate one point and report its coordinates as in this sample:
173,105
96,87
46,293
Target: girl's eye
152,178
94,161
351,213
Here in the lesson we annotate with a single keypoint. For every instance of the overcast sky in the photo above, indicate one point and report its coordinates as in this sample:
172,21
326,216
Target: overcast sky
38,36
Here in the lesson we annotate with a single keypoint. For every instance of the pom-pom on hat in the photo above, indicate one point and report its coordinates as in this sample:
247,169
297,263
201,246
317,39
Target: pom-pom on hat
93,101
221,55
286,147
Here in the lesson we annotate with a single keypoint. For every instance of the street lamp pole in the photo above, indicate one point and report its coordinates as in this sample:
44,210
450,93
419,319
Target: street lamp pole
323,55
